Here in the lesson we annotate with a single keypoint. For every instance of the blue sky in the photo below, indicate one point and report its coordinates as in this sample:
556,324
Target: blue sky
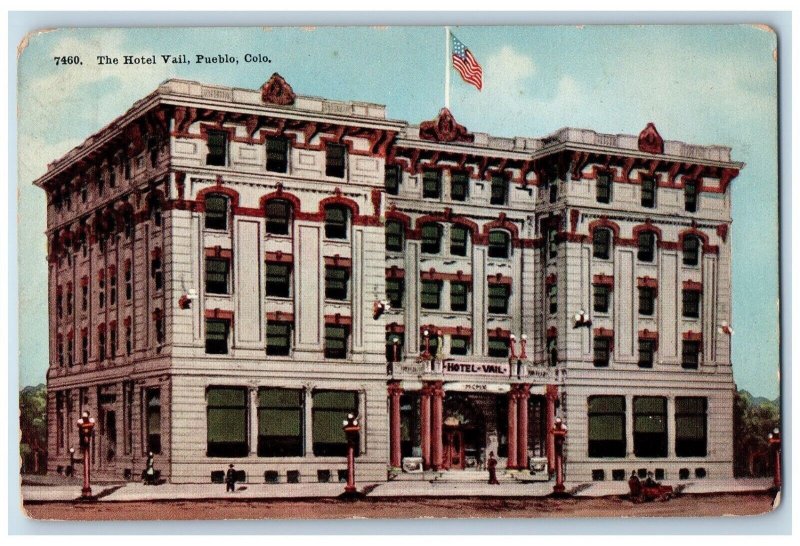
699,84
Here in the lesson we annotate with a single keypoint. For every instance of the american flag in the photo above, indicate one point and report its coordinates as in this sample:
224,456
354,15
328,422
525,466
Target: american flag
466,64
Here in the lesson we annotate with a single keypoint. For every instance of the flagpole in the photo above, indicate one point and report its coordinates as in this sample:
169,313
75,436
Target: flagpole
447,67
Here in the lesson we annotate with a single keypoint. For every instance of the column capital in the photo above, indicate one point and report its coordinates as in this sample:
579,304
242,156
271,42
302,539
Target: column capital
551,391
394,388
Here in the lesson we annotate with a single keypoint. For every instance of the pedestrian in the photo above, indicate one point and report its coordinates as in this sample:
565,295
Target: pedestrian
635,486
150,471
230,480
650,482
491,464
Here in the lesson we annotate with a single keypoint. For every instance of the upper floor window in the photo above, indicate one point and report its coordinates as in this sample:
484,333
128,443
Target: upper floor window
279,338
498,346
690,354
391,179
277,154
217,270
156,272
431,238
498,298
337,280
394,235
336,220
459,345
647,300
604,188
430,294
395,289
691,250
690,196
691,303
649,187
217,148
459,296
647,348
217,333
459,186
279,217
601,243
335,160
216,212
553,191
127,223
432,184
499,244
647,246
394,347
601,298
552,296
552,242
459,239
602,351
336,341
279,283
499,194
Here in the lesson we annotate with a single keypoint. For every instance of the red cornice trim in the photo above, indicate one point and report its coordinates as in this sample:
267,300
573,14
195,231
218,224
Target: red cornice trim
693,286
498,279
433,275
395,272
692,336
338,320
603,280
218,313
603,332
646,282
219,252
280,316
338,261
279,257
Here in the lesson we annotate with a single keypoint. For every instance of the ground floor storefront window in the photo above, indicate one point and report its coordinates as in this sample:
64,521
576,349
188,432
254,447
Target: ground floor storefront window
330,409
227,422
280,422
690,427
650,426
606,426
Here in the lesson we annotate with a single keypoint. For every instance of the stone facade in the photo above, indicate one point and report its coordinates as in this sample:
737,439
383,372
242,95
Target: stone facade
256,257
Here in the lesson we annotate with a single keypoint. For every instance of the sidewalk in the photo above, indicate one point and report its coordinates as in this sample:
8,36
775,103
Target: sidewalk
138,492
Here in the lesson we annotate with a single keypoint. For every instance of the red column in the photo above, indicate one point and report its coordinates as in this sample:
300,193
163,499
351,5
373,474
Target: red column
551,393
425,416
522,423
394,422
437,393
512,428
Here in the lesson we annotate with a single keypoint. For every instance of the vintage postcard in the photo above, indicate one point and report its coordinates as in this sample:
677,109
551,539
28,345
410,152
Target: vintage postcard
340,272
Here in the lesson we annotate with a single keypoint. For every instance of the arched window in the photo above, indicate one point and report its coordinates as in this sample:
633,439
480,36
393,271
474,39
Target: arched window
499,244
601,243
647,246
459,240
279,217
127,221
217,212
691,250
336,222
431,238
394,235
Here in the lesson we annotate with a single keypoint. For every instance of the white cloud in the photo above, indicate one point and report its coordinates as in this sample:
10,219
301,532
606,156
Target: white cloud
507,70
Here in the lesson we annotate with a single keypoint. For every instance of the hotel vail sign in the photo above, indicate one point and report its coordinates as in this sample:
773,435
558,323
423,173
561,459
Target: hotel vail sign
501,369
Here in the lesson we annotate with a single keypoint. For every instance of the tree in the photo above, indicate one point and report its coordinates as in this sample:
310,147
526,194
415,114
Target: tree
753,420
33,428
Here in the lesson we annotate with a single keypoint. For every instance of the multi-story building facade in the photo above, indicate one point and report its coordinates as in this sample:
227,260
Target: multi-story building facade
231,272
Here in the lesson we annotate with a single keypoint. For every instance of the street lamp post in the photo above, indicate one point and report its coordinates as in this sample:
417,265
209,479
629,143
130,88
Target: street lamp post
559,433
351,429
775,445
86,435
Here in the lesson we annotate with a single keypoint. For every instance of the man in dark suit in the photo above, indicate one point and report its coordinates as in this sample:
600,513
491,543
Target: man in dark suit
491,465
230,480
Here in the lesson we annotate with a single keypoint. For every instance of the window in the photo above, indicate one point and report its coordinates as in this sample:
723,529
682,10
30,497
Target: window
101,186
647,349
101,291
101,344
432,345
602,351
498,298
601,298
459,238
647,245
113,341
159,323
60,351
604,188
84,297
84,194
690,196
690,427
217,336
280,422
459,186
647,300
691,250
336,222
277,154
499,244
691,303
552,351
128,283
552,296
127,165
395,290
70,351
690,354
498,346
431,238
279,280
553,190
394,235
279,338
459,296
601,244
156,273
336,282
217,275
459,345
152,146
70,300
336,341
334,160
391,179
430,294
153,419
128,339
606,426
394,347
650,426
432,184
279,217
649,192
59,303
226,429
217,148
84,347
552,243
127,223
112,281
330,408
216,212
499,194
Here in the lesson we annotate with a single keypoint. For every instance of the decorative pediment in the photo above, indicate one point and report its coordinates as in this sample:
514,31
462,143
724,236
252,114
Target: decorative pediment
277,91
444,128
650,141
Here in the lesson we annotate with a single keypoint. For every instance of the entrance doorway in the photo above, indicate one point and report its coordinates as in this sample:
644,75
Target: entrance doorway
463,433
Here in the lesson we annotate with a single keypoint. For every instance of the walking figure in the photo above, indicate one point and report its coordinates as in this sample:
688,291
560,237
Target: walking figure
491,464
230,480
635,486
150,471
